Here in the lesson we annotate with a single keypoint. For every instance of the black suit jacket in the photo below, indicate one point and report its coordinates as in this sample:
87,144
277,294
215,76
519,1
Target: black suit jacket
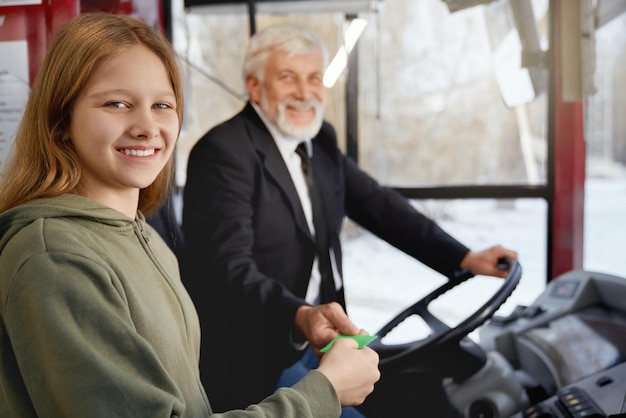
249,251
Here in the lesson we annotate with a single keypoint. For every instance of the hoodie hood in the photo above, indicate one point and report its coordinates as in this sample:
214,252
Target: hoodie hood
64,206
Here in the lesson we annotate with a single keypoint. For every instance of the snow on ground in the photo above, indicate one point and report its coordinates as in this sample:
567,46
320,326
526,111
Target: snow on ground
381,281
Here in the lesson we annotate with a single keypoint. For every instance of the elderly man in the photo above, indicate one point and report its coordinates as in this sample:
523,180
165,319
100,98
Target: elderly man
266,195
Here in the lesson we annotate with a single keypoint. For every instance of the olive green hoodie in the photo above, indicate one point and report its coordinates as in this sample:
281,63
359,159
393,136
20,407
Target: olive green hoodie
94,322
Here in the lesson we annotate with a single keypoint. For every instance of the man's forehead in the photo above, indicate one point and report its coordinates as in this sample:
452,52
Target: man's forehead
285,58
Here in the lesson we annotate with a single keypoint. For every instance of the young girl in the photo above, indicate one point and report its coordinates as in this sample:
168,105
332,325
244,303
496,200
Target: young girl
94,320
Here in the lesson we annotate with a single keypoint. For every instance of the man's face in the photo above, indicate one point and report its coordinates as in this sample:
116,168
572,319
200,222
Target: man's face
292,95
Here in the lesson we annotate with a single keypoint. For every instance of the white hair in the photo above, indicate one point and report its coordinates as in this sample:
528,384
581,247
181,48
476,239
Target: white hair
293,39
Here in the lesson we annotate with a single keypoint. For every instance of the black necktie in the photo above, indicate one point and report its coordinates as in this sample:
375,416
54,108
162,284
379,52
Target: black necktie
327,285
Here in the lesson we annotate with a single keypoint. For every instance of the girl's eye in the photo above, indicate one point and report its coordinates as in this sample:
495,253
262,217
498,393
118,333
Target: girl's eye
117,105
162,106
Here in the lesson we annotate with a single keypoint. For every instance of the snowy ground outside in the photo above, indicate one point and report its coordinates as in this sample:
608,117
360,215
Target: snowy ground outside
381,281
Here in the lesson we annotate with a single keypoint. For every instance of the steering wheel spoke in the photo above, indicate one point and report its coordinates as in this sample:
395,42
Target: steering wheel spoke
445,347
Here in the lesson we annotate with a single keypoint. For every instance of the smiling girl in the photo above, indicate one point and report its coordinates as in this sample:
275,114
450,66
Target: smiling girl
94,320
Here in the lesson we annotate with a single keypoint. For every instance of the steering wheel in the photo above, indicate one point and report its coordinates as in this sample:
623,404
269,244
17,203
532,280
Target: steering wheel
446,350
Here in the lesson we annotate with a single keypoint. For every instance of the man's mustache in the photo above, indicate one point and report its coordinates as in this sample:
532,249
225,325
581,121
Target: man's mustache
302,104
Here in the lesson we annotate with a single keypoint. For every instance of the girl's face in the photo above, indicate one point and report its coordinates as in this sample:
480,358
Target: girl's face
124,127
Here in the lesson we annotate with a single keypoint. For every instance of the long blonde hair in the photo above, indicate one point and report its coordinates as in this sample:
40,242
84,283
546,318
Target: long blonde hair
43,162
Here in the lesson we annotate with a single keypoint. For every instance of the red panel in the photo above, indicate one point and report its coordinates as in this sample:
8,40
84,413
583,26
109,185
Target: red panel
23,23
109,6
569,189
13,25
36,24
58,12
37,38
569,175
150,11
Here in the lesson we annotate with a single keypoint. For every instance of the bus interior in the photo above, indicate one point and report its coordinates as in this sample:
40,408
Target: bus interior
460,129
472,109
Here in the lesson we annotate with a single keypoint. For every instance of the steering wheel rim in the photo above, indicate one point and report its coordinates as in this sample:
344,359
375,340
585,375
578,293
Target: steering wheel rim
441,334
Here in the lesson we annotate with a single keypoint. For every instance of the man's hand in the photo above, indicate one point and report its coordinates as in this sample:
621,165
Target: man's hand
485,262
320,324
351,371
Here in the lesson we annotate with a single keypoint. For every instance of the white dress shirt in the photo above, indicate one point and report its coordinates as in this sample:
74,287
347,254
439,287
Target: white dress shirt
287,147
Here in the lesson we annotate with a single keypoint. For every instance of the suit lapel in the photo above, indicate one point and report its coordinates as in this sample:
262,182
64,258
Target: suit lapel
274,165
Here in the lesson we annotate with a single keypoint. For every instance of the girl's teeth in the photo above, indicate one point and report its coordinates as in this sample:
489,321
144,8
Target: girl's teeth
139,152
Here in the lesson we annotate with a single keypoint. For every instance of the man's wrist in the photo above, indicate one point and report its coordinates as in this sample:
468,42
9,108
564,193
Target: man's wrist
297,335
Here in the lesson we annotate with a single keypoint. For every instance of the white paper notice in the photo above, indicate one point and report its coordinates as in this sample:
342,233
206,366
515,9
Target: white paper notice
18,2
14,90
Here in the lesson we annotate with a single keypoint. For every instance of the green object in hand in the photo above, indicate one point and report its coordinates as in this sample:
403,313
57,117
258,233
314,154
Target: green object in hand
363,340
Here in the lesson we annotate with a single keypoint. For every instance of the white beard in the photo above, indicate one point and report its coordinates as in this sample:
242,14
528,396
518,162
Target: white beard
299,133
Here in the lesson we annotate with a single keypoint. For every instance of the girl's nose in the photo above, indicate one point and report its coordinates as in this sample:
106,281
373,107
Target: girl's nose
144,125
